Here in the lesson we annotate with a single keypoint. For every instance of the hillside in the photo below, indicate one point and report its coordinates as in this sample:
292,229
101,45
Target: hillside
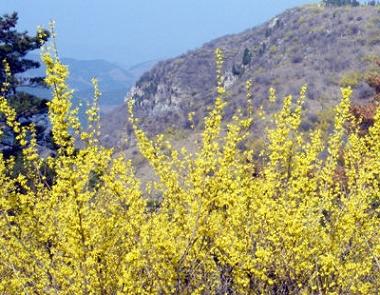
323,47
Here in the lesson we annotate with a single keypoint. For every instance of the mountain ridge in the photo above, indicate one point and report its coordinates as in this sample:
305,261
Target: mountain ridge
114,80
324,47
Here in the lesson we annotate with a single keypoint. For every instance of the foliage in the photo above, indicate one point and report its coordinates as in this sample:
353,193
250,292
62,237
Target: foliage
351,79
305,222
373,79
341,2
236,70
25,104
373,3
366,112
14,46
247,57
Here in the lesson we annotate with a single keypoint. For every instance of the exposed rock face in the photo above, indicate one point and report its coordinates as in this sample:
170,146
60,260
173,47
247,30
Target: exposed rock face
323,47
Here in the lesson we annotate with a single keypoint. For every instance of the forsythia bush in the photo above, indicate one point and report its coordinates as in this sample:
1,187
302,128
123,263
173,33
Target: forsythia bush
306,222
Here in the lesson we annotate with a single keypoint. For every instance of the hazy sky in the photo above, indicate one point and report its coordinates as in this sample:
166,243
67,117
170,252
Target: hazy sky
133,31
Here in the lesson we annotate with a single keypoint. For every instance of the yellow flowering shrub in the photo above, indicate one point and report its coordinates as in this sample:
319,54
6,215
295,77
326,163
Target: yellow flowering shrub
306,222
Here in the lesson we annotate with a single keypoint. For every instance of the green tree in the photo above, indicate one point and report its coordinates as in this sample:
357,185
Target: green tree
373,3
14,46
340,2
247,57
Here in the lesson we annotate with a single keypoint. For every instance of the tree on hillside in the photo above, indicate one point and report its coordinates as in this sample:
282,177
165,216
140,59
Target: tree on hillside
340,2
373,80
247,57
366,112
14,46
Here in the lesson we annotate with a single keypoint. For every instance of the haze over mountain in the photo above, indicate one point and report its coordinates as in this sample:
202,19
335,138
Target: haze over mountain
114,80
325,47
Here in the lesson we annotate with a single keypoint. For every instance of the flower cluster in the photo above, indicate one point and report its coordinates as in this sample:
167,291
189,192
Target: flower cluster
306,221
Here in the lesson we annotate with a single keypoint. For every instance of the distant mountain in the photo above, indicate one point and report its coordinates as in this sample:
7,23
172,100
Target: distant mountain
114,81
325,47
139,69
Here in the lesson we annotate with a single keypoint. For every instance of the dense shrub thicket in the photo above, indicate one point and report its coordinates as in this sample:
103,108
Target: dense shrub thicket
306,222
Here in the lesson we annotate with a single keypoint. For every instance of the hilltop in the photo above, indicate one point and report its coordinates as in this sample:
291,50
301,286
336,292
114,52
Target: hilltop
324,47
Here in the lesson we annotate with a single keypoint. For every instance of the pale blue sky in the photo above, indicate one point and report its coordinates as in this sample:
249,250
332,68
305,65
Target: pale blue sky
133,31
